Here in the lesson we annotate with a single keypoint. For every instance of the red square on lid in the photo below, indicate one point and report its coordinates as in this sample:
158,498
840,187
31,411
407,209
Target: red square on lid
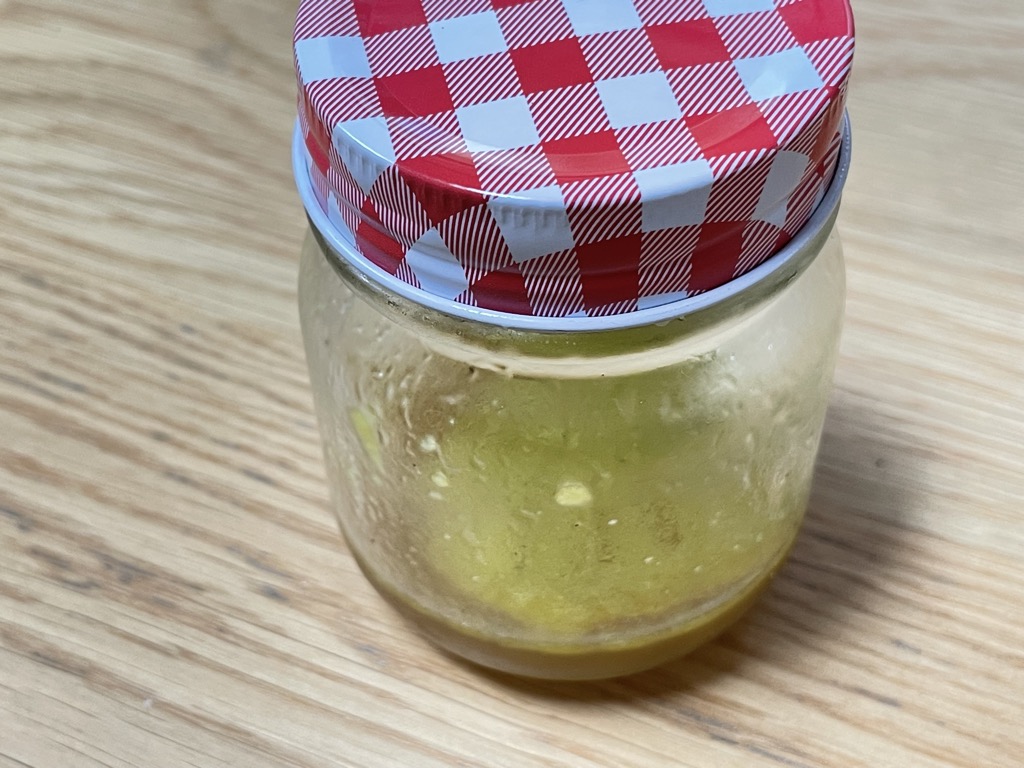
584,157
810,22
687,43
732,130
504,290
414,94
374,243
377,16
548,66
316,152
443,184
714,260
609,270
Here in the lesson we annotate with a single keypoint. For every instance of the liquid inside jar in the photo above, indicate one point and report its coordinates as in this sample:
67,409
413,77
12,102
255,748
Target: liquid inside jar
580,514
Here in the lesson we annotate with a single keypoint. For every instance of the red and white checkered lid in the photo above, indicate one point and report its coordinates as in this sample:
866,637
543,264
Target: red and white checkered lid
570,158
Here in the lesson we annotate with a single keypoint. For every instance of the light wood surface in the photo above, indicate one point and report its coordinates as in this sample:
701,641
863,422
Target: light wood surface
173,590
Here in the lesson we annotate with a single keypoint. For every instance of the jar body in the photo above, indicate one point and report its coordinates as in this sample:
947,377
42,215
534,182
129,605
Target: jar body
567,506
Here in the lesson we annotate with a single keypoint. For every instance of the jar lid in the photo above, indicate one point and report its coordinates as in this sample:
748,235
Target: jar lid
570,158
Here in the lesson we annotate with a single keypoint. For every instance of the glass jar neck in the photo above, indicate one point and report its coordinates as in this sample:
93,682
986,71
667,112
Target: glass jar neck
525,352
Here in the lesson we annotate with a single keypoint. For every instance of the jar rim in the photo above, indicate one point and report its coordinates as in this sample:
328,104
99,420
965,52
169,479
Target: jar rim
786,263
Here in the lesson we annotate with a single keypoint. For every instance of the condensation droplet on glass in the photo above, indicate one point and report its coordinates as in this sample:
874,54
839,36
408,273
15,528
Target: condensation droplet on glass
698,568
440,479
613,521
428,444
436,495
649,559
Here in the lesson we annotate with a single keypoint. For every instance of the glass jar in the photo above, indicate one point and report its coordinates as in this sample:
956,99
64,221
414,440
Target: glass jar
574,505
571,318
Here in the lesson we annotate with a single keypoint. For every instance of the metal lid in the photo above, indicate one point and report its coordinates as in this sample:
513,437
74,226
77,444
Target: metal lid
570,158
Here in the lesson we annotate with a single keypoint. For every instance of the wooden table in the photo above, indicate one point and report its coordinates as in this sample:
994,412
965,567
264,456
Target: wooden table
173,590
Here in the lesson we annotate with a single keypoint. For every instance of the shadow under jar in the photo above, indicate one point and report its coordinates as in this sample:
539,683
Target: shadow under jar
576,495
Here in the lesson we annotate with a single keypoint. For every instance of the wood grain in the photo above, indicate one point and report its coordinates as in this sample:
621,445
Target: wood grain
173,591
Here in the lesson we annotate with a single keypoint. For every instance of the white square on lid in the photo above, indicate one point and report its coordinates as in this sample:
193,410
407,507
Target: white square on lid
437,269
736,7
778,74
589,17
531,233
466,37
504,124
323,58
787,170
365,147
665,201
638,99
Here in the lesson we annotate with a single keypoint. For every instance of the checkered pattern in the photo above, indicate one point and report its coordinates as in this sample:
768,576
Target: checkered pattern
571,157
